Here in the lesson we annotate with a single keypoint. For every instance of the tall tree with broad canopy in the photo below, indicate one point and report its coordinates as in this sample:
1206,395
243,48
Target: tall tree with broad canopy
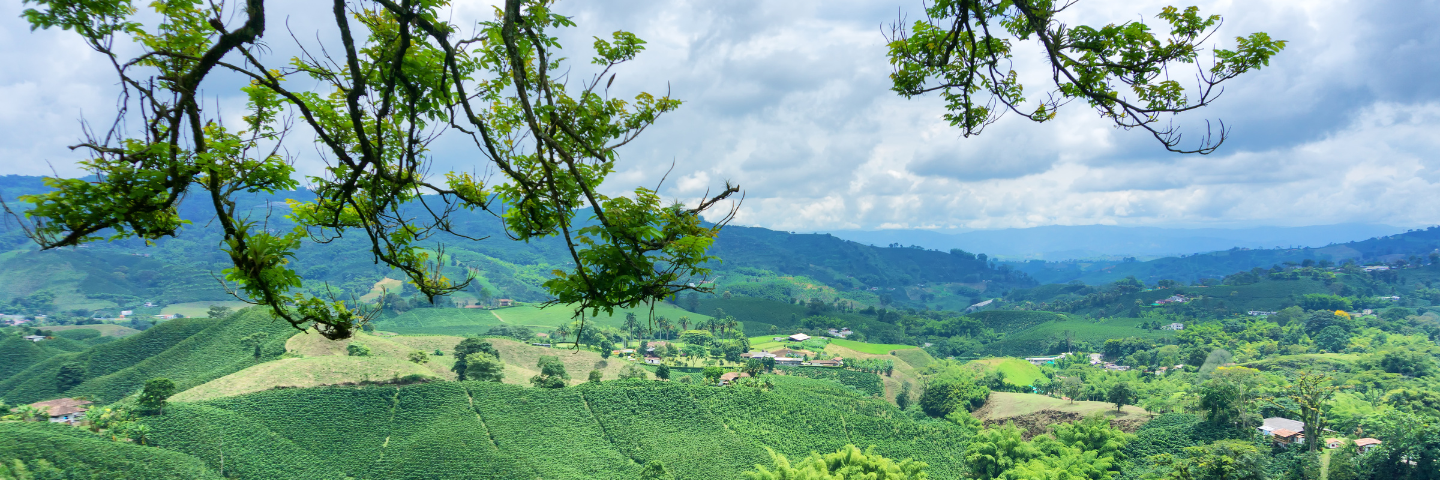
401,74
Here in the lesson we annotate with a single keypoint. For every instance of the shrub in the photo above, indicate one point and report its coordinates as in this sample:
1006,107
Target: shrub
357,350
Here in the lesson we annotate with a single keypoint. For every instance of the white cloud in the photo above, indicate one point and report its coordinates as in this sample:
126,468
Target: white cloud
791,101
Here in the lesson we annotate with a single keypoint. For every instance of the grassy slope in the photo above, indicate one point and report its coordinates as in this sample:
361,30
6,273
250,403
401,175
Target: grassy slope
324,362
1017,371
469,321
75,449
200,309
1009,404
17,354
486,430
188,351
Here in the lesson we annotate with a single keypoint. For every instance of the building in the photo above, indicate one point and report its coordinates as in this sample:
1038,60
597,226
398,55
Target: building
1287,437
834,362
652,348
1172,299
34,338
505,302
759,354
1037,361
730,377
1260,313
63,410
652,360
792,361
1366,444
1173,326
799,337
977,307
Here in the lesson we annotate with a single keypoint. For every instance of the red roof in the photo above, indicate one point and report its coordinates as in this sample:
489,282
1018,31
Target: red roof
1280,432
1366,441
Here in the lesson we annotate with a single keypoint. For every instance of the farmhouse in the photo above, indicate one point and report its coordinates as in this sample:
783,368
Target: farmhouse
834,362
787,361
1044,360
34,338
1173,326
1365,444
652,360
1287,437
799,337
63,410
759,354
730,377
505,302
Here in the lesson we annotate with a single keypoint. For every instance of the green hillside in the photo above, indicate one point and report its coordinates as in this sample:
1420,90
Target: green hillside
486,430
188,351
17,354
77,453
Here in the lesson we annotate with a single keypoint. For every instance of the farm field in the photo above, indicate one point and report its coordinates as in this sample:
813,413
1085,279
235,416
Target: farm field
200,309
1003,405
871,348
106,329
1017,371
1034,341
474,321
487,430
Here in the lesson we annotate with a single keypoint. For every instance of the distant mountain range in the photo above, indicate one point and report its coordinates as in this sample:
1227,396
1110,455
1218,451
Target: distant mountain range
1056,243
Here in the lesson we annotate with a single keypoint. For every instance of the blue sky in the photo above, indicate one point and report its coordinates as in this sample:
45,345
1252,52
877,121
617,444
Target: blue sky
790,100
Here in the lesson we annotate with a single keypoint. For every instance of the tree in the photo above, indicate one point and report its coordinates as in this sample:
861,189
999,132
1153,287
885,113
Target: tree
952,394
1333,339
483,367
1120,394
712,374
633,371
253,341
1310,396
902,399
1221,401
471,346
219,312
753,367
655,470
552,373
373,111
1072,387
662,372
70,375
357,350
419,357
596,376
995,450
962,51
847,463
1222,460
632,328
153,397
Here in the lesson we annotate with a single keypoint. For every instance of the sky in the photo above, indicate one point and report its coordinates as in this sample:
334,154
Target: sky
791,101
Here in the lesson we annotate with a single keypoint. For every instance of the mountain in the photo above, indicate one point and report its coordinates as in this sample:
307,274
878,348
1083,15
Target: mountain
1412,246
1061,242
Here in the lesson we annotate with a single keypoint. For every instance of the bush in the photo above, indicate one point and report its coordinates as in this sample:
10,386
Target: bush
357,350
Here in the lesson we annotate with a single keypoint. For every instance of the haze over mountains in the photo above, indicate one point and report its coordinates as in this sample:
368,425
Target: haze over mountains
1061,242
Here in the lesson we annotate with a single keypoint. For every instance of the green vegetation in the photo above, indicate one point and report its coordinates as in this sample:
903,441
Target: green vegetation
1016,372
188,351
866,383
606,430
871,348
73,452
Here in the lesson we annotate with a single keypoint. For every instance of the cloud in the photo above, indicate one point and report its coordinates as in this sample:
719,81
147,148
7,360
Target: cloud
790,100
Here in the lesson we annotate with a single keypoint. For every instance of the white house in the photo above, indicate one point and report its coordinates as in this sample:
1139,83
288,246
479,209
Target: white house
799,337
1173,326
34,338
63,410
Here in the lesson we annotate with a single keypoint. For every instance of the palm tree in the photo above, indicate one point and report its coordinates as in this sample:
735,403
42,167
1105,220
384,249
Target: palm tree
631,326
664,324
684,323
563,331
